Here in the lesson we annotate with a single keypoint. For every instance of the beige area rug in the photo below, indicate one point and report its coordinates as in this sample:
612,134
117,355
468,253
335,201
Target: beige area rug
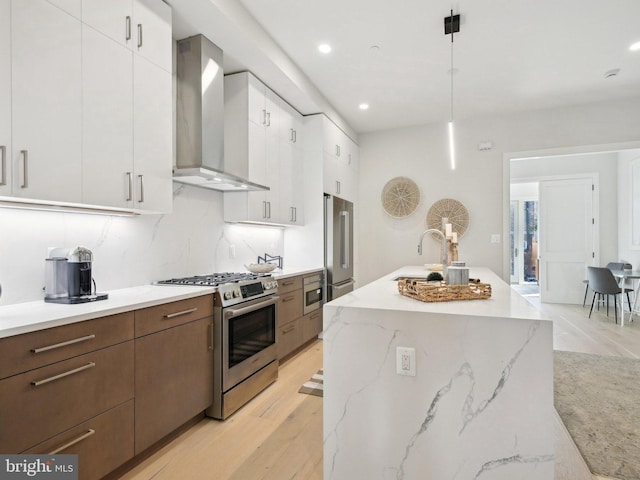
315,385
598,400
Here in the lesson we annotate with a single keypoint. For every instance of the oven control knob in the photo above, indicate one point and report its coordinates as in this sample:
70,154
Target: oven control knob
236,293
227,294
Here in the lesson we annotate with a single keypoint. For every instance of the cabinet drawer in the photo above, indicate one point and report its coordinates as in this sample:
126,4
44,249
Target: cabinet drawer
289,307
102,444
37,349
289,284
173,379
41,403
289,337
154,319
311,325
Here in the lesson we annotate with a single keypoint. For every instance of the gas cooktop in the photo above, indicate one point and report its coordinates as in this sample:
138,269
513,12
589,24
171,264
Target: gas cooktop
215,279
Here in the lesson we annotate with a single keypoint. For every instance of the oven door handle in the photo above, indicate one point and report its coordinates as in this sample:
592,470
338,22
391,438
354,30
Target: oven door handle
236,312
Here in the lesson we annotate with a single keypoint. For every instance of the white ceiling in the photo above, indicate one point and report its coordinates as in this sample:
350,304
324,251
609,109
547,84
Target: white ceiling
511,55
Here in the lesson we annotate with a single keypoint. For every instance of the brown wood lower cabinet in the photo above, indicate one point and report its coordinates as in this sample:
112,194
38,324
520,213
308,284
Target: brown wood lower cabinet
102,443
174,379
311,325
41,403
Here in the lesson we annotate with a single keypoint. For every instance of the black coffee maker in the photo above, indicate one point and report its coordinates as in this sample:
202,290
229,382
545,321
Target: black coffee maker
68,276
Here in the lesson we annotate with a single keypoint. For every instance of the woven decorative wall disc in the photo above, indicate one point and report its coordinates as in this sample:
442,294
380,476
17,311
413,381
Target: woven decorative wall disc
453,210
400,197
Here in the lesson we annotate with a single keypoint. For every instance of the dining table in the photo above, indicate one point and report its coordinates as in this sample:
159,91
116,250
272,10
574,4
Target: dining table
622,276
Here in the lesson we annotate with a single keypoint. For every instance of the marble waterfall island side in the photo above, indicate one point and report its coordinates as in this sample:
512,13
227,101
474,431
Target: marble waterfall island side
479,407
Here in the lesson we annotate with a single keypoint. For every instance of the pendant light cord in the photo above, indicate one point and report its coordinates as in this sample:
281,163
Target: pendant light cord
451,71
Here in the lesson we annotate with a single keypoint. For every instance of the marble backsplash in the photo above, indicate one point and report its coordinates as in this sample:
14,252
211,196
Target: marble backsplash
130,251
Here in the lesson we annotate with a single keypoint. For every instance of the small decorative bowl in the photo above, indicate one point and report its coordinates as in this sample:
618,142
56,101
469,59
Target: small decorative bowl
260,267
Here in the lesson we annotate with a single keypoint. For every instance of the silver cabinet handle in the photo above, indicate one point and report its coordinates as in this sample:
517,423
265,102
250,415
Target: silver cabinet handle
264,209
3,165
71,443
295,136
184,312
130,182
268,119
269,209
37,383
264,117
210,327
291,134
337,186
139,35
25,166
295,214
127,35
63,344
289,330
288,299
291,217
141,177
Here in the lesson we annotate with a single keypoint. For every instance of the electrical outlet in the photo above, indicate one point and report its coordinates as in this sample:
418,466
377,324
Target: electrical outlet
406,361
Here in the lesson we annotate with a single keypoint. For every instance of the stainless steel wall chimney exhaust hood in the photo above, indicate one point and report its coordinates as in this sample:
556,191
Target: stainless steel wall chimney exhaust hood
200,120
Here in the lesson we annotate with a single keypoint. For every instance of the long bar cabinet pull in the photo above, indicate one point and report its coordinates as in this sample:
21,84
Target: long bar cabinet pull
71,443
63,344
139,35
141,177
289,330
130,184
127,28
3,165
25,166
184,312
37,383
211,336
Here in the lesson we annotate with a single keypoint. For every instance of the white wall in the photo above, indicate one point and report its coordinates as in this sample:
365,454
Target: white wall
626,250
605,166
420,153
130,251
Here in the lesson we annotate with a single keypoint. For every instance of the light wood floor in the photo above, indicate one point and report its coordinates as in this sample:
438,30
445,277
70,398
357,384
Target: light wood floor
278,435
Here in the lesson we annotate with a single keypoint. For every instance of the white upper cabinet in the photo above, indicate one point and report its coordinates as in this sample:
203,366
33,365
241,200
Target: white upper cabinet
111,18
152,137
259,132
5,97
144,26
152,31
127,112
46,102
339,156
107,121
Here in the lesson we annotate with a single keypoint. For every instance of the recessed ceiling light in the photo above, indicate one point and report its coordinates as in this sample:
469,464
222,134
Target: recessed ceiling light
635,47
324,48
364,106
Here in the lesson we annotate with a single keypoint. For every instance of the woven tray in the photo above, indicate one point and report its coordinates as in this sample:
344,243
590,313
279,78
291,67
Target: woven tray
433,292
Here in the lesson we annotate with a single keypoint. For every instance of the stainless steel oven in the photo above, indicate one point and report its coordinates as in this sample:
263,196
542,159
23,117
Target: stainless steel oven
313,291
245,357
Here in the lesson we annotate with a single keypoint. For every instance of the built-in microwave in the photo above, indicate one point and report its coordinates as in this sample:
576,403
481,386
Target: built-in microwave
313,290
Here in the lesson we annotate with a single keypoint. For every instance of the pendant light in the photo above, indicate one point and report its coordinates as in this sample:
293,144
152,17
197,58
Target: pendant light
451,26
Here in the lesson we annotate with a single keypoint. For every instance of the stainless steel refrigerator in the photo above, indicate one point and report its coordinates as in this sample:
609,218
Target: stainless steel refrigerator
338,246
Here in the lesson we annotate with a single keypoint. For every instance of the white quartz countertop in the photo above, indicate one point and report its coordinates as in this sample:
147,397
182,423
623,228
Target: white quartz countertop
287,272
28,317
383,294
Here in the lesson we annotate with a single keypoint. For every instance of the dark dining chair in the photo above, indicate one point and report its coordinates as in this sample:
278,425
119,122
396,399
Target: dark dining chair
602,282
610,266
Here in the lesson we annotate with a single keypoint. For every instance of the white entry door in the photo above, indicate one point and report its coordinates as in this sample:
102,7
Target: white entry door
566,238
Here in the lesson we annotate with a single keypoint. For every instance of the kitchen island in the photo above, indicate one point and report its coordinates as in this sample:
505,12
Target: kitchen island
479,407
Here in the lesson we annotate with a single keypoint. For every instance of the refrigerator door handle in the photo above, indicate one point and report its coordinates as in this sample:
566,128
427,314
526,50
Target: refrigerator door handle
345,235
